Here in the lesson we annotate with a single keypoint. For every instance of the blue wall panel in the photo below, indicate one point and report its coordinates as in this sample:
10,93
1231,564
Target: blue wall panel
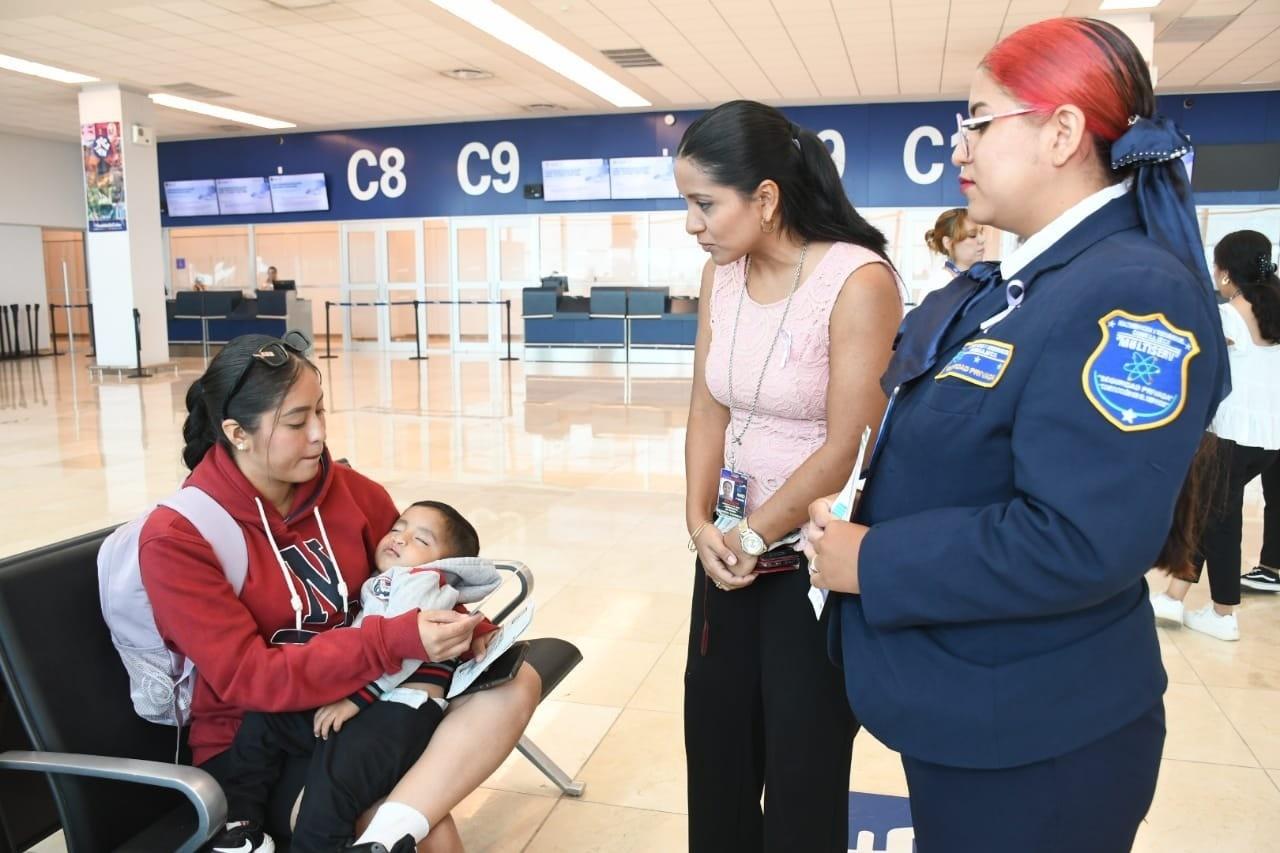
875,141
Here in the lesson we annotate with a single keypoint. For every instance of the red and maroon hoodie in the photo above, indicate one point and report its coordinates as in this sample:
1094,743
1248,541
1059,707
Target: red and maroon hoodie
240,645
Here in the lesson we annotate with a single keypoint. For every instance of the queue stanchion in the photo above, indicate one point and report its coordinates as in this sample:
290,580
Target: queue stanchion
138,372
53,328
7,342
36,306
93,334
328,334
17,332
417,334
31,333
10,333
510,357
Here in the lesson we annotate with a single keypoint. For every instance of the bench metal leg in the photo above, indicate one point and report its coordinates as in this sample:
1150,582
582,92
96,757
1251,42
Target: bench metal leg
550,769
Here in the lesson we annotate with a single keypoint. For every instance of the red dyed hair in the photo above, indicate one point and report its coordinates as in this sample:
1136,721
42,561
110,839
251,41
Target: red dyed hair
1080,61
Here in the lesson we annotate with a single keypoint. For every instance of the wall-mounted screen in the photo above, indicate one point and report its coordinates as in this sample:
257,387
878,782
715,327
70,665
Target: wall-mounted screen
243,195
191,198
642,177
299,193
1248,167
575,180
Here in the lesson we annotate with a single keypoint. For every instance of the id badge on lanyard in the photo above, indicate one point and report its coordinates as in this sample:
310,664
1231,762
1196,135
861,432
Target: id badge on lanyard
731,494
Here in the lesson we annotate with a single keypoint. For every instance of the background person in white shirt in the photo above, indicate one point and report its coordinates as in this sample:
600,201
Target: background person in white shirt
1247,426
959,242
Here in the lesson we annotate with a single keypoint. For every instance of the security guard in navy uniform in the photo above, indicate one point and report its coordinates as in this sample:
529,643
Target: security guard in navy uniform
1044,415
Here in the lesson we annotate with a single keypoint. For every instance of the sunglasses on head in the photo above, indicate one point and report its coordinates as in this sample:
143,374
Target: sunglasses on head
272,354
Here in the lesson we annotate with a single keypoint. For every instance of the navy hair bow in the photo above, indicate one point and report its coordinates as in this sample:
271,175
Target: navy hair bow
1155,147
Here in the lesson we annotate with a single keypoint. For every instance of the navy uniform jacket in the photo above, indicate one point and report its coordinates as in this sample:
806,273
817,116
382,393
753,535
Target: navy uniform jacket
1004,617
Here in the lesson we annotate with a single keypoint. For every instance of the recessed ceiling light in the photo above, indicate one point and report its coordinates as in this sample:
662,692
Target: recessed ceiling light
48,72
537,45
1125,5
543,108
468,74
174,102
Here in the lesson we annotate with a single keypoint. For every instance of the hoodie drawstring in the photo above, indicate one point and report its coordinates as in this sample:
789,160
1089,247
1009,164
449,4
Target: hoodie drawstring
294,599
333,555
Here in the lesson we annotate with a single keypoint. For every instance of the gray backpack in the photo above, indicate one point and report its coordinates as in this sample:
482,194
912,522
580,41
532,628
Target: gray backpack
160,680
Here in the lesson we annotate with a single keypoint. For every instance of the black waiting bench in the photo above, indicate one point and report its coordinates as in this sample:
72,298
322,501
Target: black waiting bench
111,775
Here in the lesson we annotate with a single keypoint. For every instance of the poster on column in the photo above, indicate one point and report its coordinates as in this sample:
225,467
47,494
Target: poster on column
103,175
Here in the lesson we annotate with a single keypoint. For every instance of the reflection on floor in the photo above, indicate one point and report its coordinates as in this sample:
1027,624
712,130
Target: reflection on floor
579,472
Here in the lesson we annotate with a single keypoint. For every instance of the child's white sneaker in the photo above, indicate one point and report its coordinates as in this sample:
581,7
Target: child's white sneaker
241,836
1207,621
1167,608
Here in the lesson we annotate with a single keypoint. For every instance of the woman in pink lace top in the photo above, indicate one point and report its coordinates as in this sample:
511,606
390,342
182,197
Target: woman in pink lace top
798,310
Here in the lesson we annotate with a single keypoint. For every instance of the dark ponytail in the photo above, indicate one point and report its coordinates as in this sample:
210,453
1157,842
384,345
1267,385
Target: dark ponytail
263,391
1246,257
198,433
741,144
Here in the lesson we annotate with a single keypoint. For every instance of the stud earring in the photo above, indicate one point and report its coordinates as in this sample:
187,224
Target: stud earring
240,446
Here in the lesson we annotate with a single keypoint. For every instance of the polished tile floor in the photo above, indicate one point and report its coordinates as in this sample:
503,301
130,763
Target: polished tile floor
578,471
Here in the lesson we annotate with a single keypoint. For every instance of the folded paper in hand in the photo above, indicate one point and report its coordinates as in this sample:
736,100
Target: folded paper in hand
467,672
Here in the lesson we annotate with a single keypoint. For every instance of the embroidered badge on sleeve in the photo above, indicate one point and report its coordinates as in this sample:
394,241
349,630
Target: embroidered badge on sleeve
1137,377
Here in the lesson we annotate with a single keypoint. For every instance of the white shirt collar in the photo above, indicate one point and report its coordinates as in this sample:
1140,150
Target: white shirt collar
1039,242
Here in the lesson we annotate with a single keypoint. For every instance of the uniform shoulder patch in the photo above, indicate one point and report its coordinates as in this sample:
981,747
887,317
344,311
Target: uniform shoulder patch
1137,376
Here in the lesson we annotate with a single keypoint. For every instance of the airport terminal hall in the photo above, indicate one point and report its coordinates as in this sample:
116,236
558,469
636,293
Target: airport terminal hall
640,426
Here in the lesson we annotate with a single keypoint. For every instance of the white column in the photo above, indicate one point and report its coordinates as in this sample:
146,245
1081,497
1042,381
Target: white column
126,265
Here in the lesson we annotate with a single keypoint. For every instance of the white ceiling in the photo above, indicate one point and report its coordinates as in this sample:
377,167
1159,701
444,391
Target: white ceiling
357,63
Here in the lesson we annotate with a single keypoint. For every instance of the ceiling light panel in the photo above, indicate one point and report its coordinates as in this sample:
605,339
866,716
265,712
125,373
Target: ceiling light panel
177,103
491,18
48,72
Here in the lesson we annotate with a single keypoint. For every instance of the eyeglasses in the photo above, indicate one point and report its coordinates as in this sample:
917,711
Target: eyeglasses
272,354
966,126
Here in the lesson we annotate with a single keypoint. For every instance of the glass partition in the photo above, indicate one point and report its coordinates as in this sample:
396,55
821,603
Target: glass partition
215,257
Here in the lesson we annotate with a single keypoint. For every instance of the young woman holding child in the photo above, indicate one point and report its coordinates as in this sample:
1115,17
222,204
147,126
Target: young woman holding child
255,442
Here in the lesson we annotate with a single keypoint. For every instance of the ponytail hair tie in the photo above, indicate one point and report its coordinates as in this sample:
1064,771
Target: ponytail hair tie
1266,268
1152,147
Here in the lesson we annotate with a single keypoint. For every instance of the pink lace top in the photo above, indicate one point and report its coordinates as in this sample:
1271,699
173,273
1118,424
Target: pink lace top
791,419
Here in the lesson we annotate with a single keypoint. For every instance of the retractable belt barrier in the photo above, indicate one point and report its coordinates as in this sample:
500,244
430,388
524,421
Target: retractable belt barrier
417,320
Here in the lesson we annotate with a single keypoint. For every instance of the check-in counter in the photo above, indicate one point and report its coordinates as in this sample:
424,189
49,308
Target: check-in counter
610,324
217,316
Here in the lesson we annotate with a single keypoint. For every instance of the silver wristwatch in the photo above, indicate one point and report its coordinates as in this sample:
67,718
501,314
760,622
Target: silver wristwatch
752,544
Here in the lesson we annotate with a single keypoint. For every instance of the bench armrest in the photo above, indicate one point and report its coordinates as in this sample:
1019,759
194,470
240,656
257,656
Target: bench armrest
195,784
525,576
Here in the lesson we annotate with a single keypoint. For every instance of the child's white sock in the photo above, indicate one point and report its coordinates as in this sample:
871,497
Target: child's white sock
393,821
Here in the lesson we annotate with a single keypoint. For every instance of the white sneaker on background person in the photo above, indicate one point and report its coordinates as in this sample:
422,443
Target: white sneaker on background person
1207,621
1167,608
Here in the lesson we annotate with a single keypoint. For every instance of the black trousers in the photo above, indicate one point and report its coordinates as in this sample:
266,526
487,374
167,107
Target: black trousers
1224,526
346,774
765,710
1271,517
1091,799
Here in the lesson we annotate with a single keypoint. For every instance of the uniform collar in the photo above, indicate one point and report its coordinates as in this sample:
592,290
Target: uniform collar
1046,237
